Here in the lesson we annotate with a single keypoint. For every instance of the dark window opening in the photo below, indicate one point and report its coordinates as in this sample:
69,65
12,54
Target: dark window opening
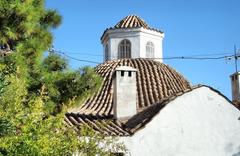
122,73
236,77
106,53
129,74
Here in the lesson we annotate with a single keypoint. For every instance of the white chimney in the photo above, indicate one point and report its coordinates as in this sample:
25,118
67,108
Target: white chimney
235,86
125,92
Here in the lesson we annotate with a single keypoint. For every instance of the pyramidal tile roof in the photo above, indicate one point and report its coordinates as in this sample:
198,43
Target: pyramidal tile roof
131,21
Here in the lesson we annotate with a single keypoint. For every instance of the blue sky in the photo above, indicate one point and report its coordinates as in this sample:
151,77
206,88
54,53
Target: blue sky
191,27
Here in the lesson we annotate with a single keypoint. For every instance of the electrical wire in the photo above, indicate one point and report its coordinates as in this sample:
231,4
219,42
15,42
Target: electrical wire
164,58
196,58
73,58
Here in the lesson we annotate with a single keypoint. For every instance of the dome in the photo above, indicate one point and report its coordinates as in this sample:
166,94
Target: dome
155,81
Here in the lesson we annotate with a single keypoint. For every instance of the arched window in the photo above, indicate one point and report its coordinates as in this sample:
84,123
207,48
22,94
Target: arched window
124,49
106,53
150,50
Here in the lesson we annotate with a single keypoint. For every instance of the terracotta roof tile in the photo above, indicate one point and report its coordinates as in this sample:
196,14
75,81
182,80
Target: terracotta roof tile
155,81
104,125
157,85
131,21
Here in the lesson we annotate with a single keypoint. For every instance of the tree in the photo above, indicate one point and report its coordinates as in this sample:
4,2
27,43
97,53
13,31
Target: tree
54,62
32,89
63,85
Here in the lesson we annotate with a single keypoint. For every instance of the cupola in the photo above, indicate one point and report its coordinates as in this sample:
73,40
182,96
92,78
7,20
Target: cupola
132,37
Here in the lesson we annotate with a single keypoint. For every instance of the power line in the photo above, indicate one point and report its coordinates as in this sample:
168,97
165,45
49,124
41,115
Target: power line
73,58
101,55
235,57
191,57
196,58
209,54
198,55
86,54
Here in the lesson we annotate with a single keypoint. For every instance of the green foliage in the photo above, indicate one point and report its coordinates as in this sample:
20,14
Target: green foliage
62,85
6,127
31,131
79,83
27,126
36,93
54,63
23,20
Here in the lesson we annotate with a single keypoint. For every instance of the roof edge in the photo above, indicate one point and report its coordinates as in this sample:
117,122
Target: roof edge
112,28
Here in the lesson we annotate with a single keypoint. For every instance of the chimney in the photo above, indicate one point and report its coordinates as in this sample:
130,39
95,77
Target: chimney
125,92
235,82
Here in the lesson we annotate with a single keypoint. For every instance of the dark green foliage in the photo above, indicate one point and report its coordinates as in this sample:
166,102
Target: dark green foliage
54,63
6,127
78,83
5,71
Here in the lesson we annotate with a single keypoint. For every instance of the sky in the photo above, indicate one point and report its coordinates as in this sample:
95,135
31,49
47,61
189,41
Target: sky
198,28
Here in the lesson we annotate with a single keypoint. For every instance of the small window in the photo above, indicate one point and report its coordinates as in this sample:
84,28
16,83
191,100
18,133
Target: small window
236,77
150,50
122,73
106,53
129,74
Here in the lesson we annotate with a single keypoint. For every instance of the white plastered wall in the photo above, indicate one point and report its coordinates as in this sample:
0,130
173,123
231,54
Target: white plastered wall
156,39
138,38
198,123
114,42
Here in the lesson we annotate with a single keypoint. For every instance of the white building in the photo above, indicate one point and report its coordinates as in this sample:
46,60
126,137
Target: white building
151,107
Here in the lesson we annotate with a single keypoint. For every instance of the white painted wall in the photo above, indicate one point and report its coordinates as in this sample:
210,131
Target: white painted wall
147,36
138,38
198,123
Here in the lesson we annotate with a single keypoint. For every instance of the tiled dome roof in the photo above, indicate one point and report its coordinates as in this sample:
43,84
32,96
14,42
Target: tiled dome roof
155,81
